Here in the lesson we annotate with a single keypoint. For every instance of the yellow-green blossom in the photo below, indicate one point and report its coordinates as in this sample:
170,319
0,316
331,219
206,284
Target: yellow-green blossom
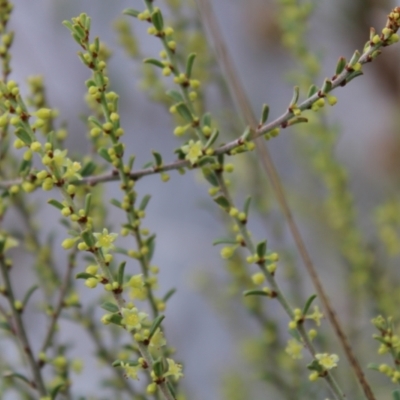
294,348
132,318
174,369
193,151
105,240
131,371
327,361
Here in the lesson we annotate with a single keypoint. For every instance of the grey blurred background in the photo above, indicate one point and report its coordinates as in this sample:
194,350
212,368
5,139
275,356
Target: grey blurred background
185,228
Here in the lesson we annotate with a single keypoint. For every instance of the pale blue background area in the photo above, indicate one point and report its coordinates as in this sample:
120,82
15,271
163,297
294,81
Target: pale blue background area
184,228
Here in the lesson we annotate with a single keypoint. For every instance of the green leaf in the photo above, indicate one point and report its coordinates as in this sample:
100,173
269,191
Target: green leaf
210,176
25,167
261,249
373,366
224,240
212,138
157,158
312,90
55,203
115,319
264,114
340,65
158,367
116,203
168,295
23,135
327,86
88,200
131,12
121,271
308,304
84,275
104,154
246,134
151,244
153,61
184,112
206,119
55,390
156,323
255,292
5,326
222,201
205,160
110,307
88,238
18,376
396,394
353,75
189,64
157,19
354,58
88,169
247,206
175,95
295,97
28,294
144,202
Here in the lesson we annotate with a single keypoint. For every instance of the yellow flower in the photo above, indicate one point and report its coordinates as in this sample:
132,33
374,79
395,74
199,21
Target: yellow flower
105,240
327,361
193,151
158,340
294,349
132,319
316,316
131,371
174,369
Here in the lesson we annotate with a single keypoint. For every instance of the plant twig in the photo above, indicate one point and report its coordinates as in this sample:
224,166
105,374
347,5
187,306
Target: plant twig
20,331
245,108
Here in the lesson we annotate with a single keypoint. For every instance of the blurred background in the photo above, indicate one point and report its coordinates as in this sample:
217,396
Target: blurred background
215,338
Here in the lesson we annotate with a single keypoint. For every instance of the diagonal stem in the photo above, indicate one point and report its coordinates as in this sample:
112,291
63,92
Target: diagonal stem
244,107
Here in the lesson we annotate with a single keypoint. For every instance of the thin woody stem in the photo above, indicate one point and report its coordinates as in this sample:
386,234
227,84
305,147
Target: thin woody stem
245,108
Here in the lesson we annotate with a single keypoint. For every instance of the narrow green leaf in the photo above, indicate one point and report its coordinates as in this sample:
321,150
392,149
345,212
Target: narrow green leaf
189,64
255,292
28,294
373,366
206,119
88,169
396,394
157,158
156,323
247,205
155,62
353,75
295,97
131,12
115,319
55,203
84,275
5,326
158,367
116,203
261,248
55,390
327,86
23,135
18,376
340,65
212,138
184,112
312,90
308,303
222,201
264,114
175,95
121,271
210,176
144,202
224,240
246,134
205,160
168,295
110,307
88,200
104,154
157,19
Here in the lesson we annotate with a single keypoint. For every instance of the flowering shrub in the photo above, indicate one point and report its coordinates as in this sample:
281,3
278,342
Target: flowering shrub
296,359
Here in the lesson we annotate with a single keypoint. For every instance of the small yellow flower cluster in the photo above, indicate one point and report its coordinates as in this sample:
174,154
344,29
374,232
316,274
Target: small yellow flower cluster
193,151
